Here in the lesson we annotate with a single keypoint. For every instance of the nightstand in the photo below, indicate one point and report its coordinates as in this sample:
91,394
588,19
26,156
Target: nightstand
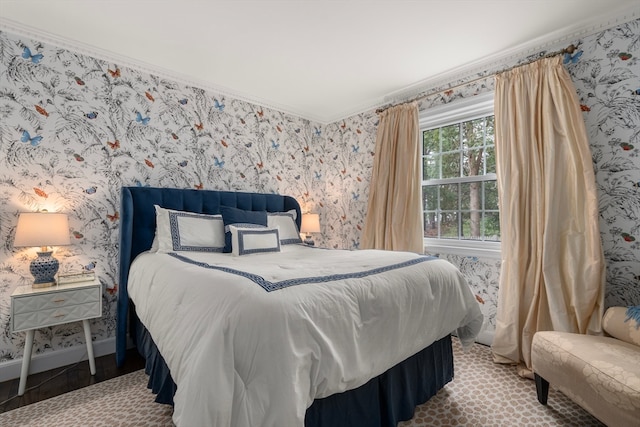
32,309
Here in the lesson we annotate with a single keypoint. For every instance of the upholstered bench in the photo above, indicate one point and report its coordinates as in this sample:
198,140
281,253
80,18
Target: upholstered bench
601,374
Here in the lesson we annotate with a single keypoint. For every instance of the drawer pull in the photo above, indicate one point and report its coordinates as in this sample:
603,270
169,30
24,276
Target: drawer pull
59,315
59,300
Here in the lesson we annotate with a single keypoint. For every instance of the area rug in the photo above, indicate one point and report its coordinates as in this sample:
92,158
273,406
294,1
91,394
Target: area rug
482,394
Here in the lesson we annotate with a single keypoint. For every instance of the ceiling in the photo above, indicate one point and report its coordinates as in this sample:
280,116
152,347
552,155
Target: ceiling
322,60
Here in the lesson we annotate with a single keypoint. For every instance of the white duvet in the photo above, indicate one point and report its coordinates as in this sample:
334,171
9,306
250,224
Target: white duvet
242,356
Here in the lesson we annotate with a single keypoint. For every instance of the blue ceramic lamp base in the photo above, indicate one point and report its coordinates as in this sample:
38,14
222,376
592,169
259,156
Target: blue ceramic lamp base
44,269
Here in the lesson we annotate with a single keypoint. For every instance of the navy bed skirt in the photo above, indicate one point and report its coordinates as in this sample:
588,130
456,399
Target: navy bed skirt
381,402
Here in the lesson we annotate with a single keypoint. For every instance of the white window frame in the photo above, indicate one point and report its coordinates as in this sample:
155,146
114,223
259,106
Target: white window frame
455,112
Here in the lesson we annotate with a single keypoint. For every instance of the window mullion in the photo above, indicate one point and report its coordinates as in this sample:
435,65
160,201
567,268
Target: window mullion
461,161
442,177
484,145
440,155
459,211
483,223
464,179
439,211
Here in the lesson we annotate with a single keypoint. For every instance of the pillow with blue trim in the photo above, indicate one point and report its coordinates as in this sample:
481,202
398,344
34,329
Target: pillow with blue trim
233,216
253,239
187,231
286,222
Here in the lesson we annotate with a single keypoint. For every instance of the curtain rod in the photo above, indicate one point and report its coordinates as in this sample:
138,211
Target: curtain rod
569,49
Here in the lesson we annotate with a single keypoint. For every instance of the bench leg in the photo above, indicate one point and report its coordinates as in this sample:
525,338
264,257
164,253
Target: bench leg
542,388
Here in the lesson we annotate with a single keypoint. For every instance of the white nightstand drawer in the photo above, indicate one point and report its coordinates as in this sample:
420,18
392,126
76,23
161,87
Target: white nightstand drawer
55,316
55,300
33,308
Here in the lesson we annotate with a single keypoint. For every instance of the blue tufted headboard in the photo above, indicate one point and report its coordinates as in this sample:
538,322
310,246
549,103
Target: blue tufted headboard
138,225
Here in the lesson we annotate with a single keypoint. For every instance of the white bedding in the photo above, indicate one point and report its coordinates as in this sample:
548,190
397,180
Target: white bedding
242,356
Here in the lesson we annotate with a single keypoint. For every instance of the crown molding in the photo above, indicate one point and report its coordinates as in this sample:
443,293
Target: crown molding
484,66
491,64
19,29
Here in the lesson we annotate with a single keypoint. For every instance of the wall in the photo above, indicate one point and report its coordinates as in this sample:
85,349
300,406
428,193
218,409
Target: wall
348,160
74,129
607,79
93,142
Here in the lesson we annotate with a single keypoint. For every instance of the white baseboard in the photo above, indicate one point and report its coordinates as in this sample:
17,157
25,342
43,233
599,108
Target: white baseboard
486,337
54,359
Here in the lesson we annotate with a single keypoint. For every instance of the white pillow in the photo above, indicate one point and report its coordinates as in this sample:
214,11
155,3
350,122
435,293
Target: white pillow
187,231
286,222
254,239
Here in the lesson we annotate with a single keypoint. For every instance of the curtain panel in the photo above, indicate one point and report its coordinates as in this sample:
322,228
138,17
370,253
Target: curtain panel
553,274
394,213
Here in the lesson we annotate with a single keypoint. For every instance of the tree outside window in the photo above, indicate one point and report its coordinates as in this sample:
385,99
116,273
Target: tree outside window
460,193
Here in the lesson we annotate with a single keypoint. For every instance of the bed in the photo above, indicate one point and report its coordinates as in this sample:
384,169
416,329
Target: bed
289,337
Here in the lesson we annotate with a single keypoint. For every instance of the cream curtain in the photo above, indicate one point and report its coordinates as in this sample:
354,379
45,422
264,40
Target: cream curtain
552,275
394,214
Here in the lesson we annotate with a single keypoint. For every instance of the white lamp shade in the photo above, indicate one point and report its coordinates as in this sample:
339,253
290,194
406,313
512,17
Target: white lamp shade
42,229
310,223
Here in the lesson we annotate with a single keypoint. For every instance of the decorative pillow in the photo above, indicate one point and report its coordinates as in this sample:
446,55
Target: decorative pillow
238,216
623,323
187,231
254,239
286,222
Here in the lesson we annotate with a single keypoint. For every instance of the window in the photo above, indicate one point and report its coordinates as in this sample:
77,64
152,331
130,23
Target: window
459,187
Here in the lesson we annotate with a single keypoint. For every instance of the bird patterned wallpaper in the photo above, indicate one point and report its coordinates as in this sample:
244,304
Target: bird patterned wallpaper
74,129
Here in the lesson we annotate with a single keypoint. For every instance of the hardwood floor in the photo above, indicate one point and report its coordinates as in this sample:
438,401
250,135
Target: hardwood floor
65,379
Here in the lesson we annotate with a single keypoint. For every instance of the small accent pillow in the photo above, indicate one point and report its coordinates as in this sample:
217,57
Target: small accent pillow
254,239
232,216
286,222
187,231
621,324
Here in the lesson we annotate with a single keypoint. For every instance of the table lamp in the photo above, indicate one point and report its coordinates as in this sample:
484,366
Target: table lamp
310,224
42,229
